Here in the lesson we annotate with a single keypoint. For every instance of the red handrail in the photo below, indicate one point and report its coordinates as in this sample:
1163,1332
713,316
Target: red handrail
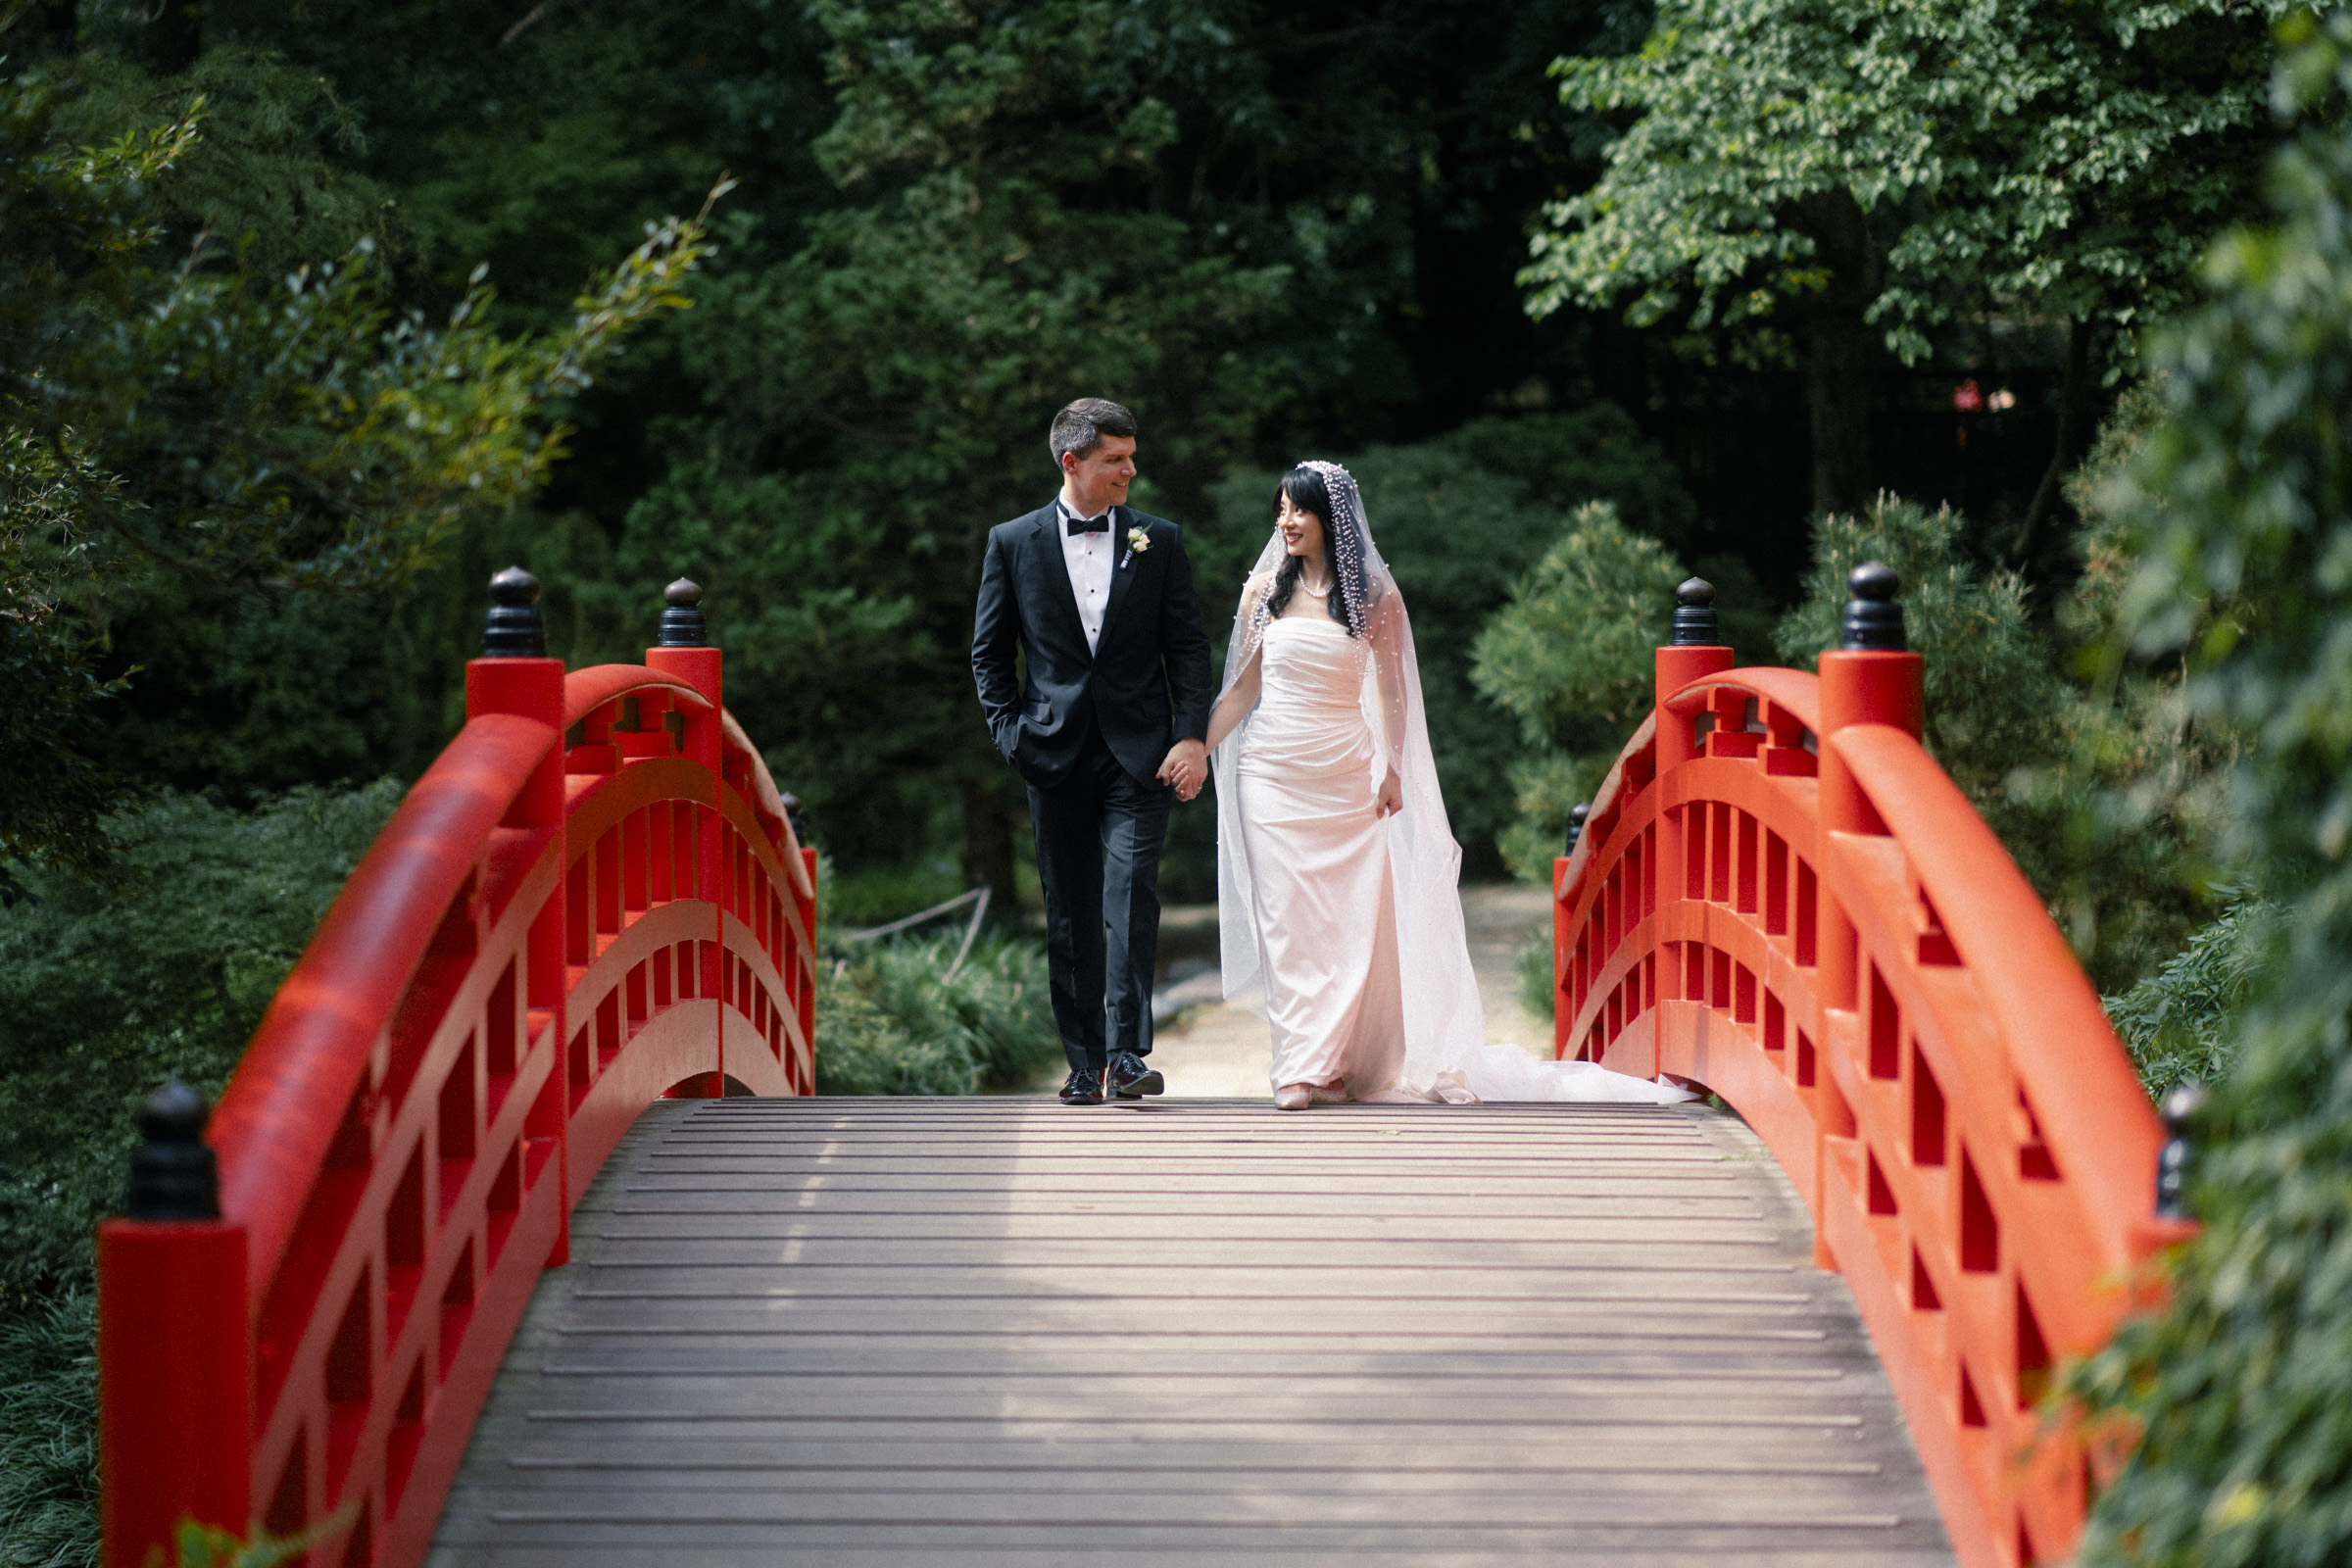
587,690
545,938
1780,895
311,1048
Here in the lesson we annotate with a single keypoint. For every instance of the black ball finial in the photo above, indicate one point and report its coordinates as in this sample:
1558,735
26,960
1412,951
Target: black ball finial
1694,624
1873,622
2178,1110
514,628
682,623
792,815
1576,823
172,1174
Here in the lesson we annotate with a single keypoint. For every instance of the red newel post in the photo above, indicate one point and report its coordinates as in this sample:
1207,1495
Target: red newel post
1868,678
808,908
516,676
684,652
175,1344
1563,1004
1694,652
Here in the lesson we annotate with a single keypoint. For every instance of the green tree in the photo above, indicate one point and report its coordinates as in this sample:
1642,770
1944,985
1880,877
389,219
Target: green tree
878,399
2099,785
175,407
1994,692
1573,659
1894,164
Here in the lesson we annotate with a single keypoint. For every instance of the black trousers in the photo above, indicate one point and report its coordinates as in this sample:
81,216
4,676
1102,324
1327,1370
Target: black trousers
1099,837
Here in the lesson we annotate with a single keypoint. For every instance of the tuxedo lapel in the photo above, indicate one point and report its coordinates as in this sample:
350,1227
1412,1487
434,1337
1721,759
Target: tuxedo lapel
1121,519
1051,565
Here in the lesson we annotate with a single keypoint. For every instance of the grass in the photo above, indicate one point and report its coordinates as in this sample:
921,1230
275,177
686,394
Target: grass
48,1433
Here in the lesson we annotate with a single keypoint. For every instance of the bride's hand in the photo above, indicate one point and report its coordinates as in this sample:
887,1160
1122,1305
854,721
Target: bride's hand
1392,794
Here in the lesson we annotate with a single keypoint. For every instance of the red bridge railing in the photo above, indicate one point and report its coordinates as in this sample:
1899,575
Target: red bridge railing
1779,895
591,899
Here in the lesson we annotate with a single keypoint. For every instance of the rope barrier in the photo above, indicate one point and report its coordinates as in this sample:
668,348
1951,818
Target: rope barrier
980,894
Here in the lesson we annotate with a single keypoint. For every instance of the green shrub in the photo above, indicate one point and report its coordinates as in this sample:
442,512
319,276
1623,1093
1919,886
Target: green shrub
873,897
2181,1022
2092,770
2242,1388
161,968
1532,970
890,1019
1992,685
1572,658
1596,453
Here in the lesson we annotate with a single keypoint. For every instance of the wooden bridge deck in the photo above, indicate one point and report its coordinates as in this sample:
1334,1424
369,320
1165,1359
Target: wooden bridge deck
1006,1331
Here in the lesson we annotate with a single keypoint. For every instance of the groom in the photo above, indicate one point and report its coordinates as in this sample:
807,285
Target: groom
1110,717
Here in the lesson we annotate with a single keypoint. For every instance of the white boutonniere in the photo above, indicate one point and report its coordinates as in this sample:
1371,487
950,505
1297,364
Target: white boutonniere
1137,541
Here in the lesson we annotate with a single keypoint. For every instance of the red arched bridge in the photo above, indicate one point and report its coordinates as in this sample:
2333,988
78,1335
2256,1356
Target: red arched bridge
937,1330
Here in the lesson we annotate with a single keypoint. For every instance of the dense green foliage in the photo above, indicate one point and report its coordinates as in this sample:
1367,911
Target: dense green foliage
178,406
893,1020
1572,658
949,222
896,367
2242,1385
161,967
2089,773
161,970
2181,1024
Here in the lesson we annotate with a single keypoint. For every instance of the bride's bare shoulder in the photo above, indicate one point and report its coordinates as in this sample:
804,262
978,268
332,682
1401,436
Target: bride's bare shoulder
1255,588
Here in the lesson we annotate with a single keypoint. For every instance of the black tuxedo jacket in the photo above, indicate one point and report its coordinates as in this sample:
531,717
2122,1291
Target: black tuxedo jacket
1145,683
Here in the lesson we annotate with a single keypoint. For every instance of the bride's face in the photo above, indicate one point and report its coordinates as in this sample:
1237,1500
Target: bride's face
1302,531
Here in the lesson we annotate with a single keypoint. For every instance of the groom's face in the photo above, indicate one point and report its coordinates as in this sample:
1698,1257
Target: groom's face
1100,478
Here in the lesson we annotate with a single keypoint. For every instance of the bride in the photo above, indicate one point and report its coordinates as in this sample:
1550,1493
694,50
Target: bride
1336,869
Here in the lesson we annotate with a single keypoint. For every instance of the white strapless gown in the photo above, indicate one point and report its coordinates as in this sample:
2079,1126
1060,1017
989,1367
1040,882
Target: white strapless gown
1319,863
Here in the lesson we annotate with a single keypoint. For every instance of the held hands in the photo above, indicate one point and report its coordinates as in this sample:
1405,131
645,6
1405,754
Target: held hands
1392,794
1186,767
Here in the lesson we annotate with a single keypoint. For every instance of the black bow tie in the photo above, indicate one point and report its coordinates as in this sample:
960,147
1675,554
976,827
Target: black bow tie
1079,525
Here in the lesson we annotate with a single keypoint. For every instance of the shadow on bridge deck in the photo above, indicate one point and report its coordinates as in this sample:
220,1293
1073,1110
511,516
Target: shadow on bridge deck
1006,1331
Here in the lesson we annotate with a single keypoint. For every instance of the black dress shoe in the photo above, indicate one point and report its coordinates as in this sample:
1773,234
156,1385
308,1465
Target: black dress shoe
1084,1087
1130,1079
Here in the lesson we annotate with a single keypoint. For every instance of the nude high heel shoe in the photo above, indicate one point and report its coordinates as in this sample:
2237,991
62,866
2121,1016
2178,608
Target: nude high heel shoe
1293,1097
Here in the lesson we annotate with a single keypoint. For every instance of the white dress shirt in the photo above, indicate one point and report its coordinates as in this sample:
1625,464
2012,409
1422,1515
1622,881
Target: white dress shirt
1089,557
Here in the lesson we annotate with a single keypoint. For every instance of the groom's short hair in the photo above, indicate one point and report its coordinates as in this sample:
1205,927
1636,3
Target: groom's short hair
1081,427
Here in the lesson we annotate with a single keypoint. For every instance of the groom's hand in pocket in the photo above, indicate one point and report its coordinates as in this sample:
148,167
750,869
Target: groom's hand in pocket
1186,767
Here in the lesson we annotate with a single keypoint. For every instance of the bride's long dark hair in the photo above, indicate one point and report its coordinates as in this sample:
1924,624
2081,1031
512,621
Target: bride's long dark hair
1305,491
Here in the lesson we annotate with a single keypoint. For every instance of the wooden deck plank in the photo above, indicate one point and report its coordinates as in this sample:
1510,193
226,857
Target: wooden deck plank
1007,1332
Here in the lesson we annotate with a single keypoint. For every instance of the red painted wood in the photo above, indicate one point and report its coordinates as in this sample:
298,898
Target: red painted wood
541,942
1845,954
172,1337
